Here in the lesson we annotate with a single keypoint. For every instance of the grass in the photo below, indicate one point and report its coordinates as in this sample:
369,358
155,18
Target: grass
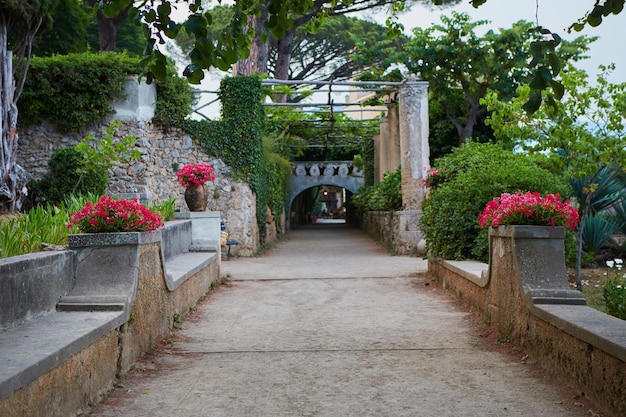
593,279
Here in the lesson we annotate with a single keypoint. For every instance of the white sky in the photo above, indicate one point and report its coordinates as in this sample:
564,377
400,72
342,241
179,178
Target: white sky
556,15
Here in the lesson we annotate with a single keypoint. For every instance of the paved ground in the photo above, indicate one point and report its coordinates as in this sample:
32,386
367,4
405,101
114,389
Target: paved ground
327,324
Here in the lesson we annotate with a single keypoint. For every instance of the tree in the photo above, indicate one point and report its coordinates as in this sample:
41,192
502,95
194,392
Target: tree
67,34
584,138
546,65
109,24
461,67
19,23
322,55
226,47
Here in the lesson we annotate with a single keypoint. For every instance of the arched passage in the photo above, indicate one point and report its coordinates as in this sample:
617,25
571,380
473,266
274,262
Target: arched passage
316,174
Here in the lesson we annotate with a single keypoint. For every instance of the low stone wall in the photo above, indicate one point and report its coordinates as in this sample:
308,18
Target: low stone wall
152,178
398,231
118,307
524,294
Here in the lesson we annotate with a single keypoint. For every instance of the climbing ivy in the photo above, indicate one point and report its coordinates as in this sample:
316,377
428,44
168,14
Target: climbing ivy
238,139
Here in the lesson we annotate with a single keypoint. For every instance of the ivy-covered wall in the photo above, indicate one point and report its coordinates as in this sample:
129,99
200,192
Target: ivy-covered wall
76,91
238,140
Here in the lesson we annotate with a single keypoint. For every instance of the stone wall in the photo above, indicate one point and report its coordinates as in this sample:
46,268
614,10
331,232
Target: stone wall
153,178
397,231
525,295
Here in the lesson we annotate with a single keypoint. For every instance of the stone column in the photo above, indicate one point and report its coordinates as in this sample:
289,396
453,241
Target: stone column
393,153
414,150
379,150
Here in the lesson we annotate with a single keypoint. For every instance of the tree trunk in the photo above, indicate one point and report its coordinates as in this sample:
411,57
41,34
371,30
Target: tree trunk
107,27
281,72
259,51
12,176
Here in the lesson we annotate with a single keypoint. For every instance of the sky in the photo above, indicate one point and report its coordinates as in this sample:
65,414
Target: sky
556,15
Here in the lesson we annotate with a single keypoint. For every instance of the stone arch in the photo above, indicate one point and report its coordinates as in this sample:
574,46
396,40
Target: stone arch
314,174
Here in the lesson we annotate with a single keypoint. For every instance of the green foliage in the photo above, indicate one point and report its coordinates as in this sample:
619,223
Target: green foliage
103,153
67,33
278,173
384,196
76,90
174,100
597,229
583,134
614,292
367,160
67,176
166,208
471,176
238,139
28,232
84,168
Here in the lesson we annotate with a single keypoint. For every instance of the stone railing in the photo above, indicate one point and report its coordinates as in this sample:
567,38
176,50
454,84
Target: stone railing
340,169
83,315
524,293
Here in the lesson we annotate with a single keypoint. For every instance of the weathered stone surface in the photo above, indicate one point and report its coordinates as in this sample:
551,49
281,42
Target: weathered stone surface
152,178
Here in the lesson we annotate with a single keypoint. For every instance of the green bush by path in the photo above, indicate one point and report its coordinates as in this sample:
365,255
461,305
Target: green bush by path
469,178
384,196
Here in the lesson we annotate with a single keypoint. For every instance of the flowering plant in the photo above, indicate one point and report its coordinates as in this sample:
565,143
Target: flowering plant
109,215
529,208
614,290
429,180
195,174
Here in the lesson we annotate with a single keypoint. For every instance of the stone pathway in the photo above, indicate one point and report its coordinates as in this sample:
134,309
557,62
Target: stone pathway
328,324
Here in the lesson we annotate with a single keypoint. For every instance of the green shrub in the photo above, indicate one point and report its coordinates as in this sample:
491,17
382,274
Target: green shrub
65,177
384,196
174,100
73,91
471,176
614,290
76,90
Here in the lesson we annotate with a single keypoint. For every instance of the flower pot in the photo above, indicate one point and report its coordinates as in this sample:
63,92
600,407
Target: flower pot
196,198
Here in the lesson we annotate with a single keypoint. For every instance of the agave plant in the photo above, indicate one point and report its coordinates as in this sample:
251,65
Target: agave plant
598,229
597,193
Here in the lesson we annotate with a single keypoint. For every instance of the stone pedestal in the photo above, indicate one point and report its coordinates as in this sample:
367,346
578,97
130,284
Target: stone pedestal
526,268
205,229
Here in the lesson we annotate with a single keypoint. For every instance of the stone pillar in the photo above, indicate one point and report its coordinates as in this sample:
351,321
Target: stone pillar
139,102
414,150
393,152
379,149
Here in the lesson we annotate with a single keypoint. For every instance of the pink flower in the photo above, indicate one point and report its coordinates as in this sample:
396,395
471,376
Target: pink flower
109,215
429,180
195,174
529,208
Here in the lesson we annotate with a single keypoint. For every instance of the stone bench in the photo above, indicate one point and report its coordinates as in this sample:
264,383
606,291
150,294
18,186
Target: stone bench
181,258
75,305
34,336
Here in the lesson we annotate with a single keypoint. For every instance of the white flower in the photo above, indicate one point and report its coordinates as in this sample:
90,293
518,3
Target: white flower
610,264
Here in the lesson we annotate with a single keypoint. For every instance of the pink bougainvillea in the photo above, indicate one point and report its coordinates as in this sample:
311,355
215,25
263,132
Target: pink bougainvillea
195,174
109,215
529,208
